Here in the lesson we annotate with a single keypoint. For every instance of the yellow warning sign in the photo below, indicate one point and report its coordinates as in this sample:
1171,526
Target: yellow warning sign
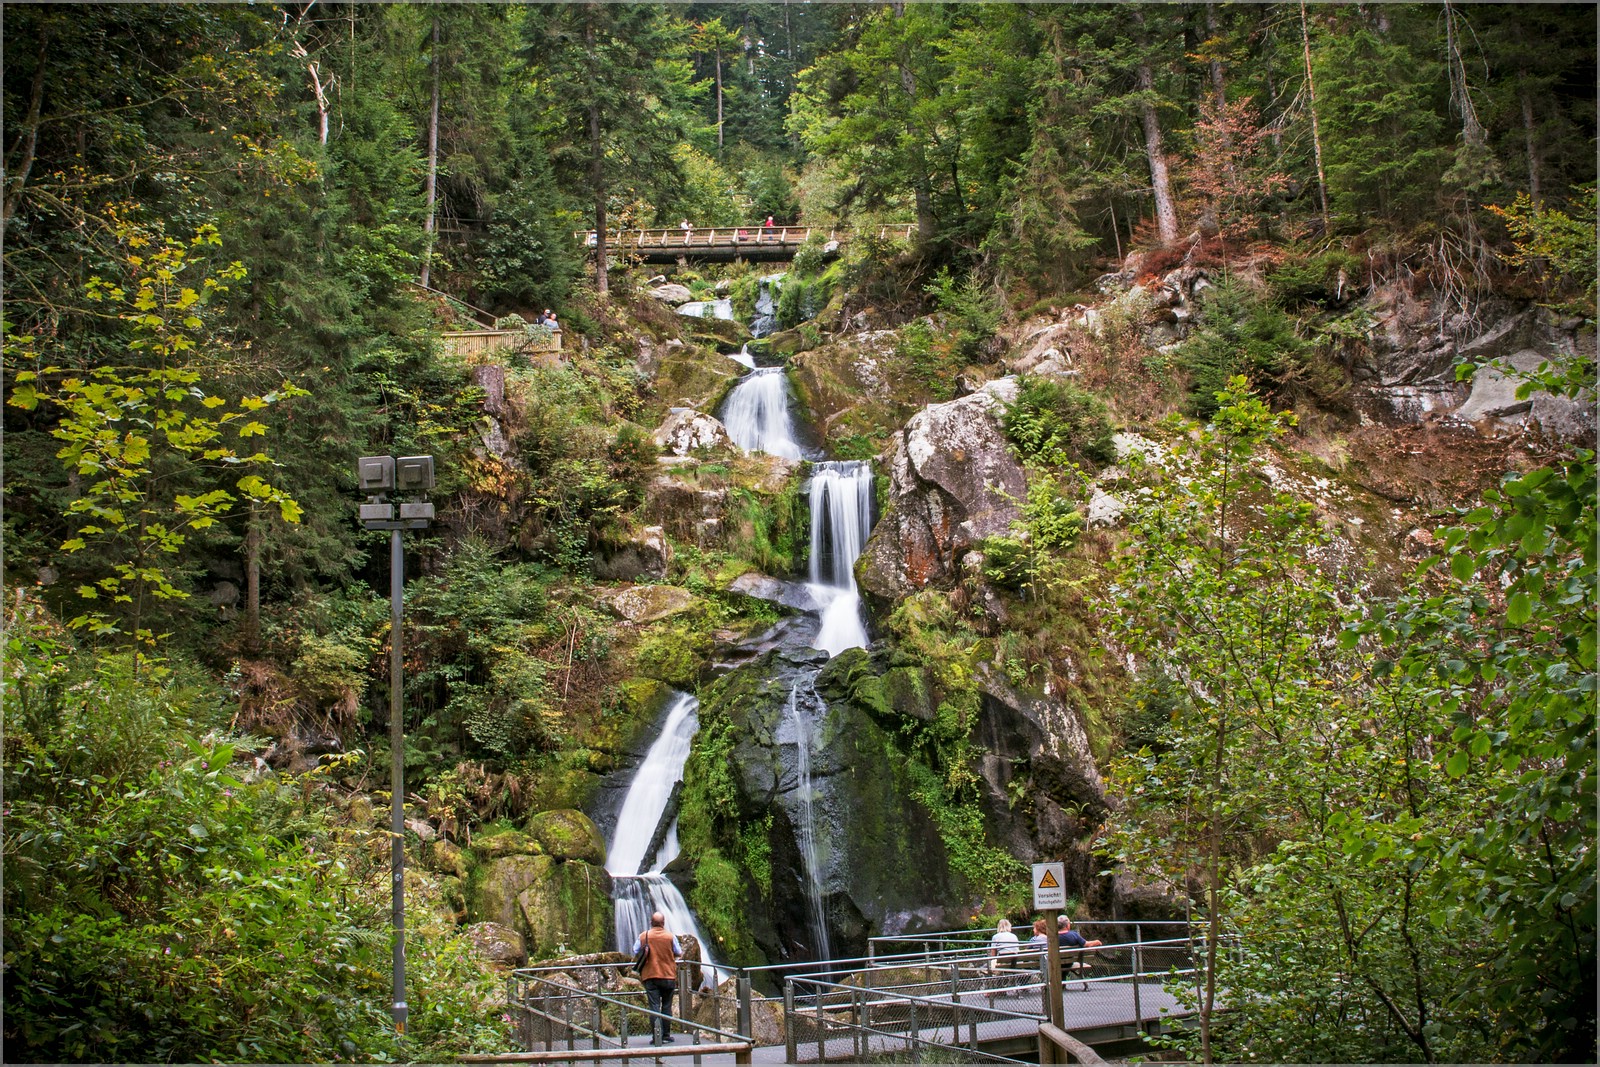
1048,889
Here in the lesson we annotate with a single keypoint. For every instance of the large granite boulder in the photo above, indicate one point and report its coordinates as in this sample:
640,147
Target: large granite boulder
670,293
686,432
953,482
649,603
566,834
498,944
646,554
566,907
495,892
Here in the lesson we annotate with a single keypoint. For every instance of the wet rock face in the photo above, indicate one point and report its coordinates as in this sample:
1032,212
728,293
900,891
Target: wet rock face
881,863
953,482
565,906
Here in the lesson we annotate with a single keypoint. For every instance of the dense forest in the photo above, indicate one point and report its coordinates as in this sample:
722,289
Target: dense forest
236,239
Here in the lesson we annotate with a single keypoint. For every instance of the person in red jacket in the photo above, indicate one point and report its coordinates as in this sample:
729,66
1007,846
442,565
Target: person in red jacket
660,974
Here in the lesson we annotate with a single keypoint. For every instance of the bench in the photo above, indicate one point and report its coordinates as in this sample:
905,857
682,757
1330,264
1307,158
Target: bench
1076,965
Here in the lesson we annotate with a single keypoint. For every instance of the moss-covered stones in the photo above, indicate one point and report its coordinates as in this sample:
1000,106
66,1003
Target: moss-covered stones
568,835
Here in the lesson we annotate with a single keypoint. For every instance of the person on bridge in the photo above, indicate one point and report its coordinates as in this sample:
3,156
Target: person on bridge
660,973
1072,940
1003,943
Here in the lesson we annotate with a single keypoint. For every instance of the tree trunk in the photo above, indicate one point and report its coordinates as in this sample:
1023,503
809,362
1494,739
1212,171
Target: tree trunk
433,161
1529,140
1160,181
597,179
252,582
1316,131
30,140
1218,91
927,226
719,100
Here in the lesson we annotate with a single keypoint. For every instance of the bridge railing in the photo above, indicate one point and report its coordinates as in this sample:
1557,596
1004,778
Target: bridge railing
933,1017
585,1013
669,238
935,941
549,1003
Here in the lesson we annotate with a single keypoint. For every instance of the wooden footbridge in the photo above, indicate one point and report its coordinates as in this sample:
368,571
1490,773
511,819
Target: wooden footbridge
727,243
945,1002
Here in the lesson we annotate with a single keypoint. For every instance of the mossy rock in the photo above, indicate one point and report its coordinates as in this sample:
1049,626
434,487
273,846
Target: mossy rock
723,334
695,377
642,698
567,834
500,842
493,893
566,908
446,857
570,787
678,654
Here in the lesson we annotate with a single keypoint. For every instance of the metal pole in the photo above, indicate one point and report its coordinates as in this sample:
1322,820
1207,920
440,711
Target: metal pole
1138,978
745,1023
789,1037
397,787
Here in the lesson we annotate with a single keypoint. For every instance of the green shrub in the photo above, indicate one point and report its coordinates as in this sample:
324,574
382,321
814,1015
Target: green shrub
973,311
1058,423
1241,333
1328,277
808,257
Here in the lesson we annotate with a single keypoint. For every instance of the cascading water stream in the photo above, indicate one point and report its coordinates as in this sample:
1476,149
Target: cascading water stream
807,829
841,520
757,414
638,886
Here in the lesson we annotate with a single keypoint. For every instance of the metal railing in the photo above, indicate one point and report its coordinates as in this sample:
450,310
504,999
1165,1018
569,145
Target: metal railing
867,1000
934,941
935,1017
577,1012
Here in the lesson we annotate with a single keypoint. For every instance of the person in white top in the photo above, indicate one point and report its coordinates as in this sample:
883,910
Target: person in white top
1003,943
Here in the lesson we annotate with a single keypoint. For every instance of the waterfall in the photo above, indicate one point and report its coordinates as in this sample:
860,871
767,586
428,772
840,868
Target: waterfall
807,828
757,414
638,886
841,519
766,310
743,358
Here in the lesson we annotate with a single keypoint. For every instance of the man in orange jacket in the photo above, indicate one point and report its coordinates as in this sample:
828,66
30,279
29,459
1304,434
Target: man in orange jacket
660,973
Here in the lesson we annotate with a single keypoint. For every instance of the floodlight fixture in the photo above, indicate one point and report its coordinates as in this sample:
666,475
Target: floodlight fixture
375,474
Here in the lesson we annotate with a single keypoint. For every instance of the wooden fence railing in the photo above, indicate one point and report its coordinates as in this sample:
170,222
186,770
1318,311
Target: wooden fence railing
735,236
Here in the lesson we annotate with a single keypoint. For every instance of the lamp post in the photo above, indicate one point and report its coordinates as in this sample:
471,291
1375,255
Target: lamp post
380,477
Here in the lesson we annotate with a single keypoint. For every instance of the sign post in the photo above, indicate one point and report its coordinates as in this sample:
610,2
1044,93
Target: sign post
1050,896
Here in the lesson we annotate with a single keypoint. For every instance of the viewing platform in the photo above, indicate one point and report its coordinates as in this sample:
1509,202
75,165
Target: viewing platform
728,243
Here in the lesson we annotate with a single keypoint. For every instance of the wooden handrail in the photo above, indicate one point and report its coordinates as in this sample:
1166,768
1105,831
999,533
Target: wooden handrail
733,236
1053,1039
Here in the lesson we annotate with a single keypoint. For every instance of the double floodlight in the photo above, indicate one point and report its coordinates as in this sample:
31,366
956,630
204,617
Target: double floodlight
377,476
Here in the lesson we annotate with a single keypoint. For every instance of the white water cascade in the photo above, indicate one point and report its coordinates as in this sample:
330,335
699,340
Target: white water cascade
757,414
841,520
638,886
708,309
807,834
743,358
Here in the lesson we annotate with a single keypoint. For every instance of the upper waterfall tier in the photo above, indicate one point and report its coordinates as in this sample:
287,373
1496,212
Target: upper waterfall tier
757,414
841,520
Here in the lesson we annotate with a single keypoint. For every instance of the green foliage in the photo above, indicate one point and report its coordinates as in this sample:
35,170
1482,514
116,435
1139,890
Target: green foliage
1558,244
137,434
974,313
676,652
1242,334
162,908
1327,278
931,357
1058,423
